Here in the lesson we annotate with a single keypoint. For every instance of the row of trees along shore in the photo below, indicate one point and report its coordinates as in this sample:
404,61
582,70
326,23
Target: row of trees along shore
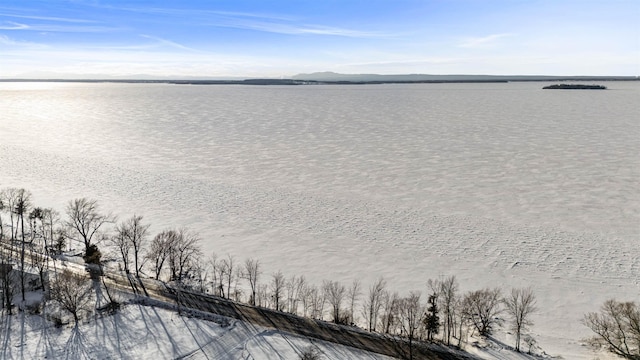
30,235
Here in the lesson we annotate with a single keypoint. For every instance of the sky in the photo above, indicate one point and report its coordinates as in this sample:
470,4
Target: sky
280,38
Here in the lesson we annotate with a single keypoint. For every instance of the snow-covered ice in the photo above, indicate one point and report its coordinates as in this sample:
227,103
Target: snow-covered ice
499,184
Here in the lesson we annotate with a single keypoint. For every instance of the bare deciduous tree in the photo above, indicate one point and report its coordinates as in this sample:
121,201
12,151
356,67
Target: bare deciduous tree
520,304
483,307
317,303
353,295
85,219
21,206
122,245
3,206
227,266
182,251
159,249
411,313
135,233
446,293
72,291
335,293
10,196
389,317
200,274
305,299
617,328
50,221
294,287
373,303
277,289
252,273
263,295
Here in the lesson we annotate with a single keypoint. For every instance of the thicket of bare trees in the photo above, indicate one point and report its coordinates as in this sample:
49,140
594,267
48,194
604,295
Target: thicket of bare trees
174,255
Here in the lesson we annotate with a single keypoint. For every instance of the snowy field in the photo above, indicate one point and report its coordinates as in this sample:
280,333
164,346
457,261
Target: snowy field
499,184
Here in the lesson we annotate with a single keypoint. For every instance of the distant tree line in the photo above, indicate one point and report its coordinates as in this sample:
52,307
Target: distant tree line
174,255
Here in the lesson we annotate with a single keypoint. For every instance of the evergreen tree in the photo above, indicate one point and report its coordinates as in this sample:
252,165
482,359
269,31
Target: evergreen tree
432,320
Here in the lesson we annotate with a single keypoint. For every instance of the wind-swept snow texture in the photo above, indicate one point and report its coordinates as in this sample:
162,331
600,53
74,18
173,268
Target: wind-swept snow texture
499,184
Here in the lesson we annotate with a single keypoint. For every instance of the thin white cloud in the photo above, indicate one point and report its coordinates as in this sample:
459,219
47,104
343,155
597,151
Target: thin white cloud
297,29
10,25
7,41
47,18
168,43
58,28
271,23
482,42
198,13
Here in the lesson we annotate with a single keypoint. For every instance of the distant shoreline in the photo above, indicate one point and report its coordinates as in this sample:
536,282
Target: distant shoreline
497,79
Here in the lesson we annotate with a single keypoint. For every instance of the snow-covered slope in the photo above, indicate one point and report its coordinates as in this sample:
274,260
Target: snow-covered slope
147,332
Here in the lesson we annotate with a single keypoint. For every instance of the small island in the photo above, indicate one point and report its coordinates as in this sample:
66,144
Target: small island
575,87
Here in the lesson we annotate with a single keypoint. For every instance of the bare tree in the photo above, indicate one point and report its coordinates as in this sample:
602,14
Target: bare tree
200,274
182,251
520,304
219,271
3,206
227,266
21,206
335,293
71,291
50,221
135,233
37,244
10,196
411,313
446,293
483,307
277,289
252,273
305,298
212,266
318,301
617,328
159,250
373,303
85,219
122,245
238,291
353,295
294,287
389,317
262,295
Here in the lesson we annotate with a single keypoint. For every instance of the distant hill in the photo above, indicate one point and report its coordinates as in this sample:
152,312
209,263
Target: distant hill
336,77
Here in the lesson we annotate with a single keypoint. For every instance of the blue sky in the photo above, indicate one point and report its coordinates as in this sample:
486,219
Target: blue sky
219,38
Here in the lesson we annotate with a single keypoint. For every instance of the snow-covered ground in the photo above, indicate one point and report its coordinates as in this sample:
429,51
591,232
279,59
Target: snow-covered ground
499,184
149,332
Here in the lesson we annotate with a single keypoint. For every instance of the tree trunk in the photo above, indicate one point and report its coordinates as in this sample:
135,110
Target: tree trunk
22,256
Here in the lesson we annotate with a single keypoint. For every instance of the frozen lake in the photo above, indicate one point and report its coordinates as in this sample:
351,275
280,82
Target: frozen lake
499,184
